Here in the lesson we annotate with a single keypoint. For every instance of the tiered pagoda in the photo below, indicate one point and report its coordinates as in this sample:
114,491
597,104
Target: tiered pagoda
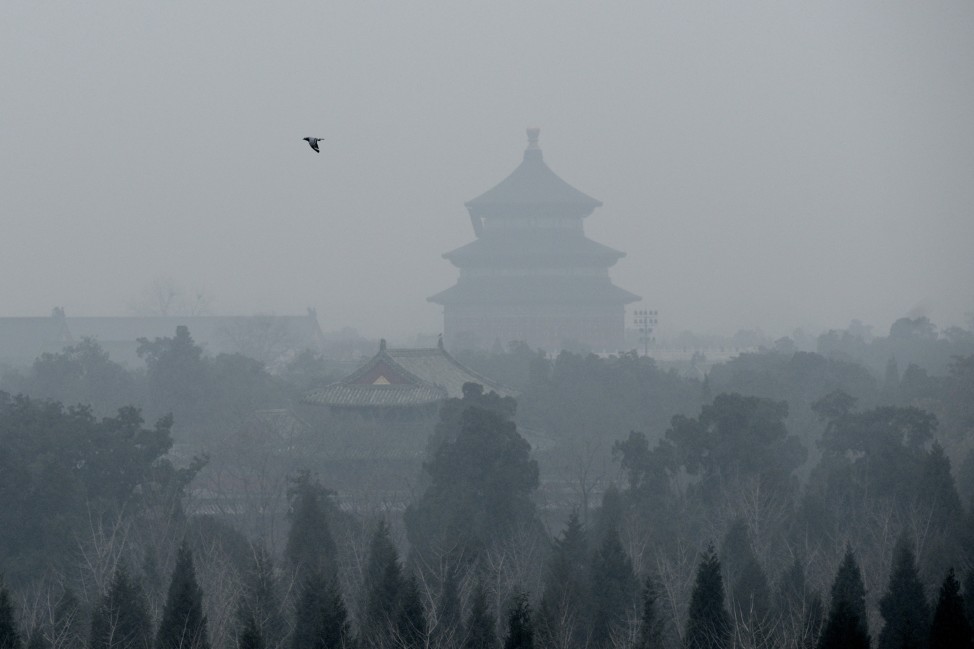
532,275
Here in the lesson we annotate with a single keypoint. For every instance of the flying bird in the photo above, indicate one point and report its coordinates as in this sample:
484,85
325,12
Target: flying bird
313,141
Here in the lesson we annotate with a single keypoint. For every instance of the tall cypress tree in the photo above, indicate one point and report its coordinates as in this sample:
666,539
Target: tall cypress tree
752,598
799,611
38,639
950,628
849,588
250,635
969,597
708,623
904,606
843,630
520,627
650,622
613,589
448,620
183,624
260,599
566,595
321,619
310,545
411,627
307,611
480,630
383,584
335,629
846,627
9,636
121,620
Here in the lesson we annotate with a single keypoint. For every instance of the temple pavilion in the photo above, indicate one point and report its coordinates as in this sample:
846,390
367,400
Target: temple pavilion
401,382
531,274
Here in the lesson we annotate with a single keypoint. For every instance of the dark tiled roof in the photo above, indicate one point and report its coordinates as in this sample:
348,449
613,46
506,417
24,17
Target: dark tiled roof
535,246
430,375
539,290
343,395
532,184
436,367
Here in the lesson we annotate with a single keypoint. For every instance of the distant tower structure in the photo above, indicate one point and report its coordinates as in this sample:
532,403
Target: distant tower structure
532,275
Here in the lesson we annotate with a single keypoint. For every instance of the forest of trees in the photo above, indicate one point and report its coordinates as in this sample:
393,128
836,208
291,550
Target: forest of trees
787,499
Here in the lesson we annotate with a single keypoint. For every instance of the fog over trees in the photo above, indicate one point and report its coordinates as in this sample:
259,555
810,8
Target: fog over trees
787,498
410,388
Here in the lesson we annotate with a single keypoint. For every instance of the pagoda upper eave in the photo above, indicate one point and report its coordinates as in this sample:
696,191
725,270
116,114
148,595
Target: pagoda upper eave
571,250
532,185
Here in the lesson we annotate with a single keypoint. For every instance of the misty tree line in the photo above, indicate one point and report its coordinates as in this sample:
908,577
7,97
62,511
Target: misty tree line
799,468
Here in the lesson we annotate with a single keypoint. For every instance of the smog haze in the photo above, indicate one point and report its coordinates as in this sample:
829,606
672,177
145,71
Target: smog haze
772,165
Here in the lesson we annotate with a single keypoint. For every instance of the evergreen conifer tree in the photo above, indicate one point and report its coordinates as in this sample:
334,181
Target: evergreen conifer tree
969,597
613,590
121,620
846,627
480,630
321,619
799,611
336,630
38,640
9,636
566,595
183,624
260,599
735,551
308,611
448,620
411,627
250,636
382,587
843,630
708,623
904,606
650,622
520,627
937,490
849,588
751,598
950,628
310,545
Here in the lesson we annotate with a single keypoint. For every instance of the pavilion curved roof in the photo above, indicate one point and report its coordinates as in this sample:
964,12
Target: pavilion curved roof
409,378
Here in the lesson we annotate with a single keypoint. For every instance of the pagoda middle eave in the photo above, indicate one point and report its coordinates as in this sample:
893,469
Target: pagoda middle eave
529,290
571,250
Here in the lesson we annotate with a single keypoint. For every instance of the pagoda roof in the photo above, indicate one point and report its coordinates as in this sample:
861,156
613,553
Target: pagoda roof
545,290
534,245
397,378
533,185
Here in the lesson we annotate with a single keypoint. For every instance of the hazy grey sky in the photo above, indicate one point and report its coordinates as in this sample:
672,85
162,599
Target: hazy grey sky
769,164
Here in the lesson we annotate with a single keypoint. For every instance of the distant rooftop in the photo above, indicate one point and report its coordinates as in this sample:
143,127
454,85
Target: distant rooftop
398,378
264,337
